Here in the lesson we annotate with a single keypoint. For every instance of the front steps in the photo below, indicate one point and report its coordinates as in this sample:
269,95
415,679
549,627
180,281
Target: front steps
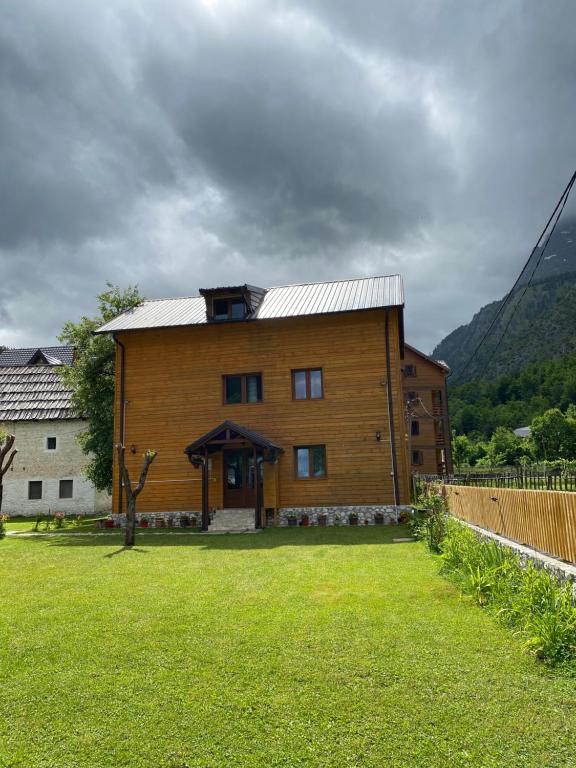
232,520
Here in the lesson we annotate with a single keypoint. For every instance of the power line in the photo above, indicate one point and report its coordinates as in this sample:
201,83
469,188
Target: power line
557,210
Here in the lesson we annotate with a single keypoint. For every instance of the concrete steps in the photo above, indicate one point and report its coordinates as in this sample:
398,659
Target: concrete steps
233,520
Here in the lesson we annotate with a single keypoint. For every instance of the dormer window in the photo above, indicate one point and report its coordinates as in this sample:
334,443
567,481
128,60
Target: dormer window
229,309
238,302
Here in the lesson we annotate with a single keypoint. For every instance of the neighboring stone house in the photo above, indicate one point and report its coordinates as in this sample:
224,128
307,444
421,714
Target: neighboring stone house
35,406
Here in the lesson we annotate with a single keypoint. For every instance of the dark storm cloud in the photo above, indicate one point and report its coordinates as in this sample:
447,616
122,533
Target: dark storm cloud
178,143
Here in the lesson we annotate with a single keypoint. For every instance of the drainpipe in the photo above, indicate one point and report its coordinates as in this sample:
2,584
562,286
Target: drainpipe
391,411
122,410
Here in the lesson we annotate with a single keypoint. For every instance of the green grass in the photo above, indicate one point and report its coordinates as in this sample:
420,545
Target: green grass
307,647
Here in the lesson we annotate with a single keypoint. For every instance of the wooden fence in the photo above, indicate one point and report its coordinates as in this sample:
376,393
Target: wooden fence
537,479
543,520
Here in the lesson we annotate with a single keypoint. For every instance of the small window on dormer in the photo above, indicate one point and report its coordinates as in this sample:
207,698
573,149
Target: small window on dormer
229,309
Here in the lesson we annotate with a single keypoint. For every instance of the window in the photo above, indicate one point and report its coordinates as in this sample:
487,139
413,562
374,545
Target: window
66,489
229,309
50,443
307,384
409,370
417,458
415,428
34,489
243,388
310,461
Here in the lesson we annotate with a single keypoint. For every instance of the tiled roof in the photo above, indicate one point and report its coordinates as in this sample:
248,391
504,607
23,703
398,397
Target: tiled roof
283,301
31,392
52,355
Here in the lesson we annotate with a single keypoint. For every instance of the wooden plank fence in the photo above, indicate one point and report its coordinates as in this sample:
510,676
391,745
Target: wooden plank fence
543,520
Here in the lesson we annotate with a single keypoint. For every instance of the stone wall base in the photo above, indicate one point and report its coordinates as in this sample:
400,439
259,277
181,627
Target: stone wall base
363,515
557,568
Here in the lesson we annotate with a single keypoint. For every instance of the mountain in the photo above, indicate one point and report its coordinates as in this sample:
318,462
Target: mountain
539,322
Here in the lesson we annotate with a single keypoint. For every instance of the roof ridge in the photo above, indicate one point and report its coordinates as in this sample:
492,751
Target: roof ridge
273,287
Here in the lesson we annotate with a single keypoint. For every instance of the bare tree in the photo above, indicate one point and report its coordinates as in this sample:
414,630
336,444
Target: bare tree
132,493
6,443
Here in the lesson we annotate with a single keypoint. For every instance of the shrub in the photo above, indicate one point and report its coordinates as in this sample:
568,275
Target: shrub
3,519
429,523
527,599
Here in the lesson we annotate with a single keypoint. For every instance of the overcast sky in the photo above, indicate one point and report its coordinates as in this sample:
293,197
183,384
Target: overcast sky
180,144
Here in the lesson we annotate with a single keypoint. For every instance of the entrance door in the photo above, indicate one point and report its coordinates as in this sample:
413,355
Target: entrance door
239,488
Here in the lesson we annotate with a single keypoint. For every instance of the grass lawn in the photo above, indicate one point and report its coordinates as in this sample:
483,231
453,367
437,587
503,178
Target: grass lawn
306,647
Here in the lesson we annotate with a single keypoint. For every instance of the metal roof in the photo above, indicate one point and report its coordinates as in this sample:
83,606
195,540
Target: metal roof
52,355
440,363
32,392
283,301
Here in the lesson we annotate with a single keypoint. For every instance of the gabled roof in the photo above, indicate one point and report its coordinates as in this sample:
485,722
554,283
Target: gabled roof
228,430
38,356
440,363
283,301
33,392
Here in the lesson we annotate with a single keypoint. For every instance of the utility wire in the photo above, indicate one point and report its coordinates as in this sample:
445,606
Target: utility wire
559,208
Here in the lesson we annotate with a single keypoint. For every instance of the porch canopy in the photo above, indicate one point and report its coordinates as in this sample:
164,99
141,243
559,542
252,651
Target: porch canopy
229,435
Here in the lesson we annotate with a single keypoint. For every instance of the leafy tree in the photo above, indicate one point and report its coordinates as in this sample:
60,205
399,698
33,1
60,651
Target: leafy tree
505,448
91,380
7,454
553,434
461,450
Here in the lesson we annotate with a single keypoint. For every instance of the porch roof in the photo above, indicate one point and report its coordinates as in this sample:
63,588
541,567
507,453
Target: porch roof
229,431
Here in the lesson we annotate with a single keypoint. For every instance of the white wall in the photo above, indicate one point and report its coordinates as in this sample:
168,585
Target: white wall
35,462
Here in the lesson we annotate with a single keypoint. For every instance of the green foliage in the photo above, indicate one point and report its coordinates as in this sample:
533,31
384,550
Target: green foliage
528,599
514,399
3,520
553,434
461,450
91,380
429,523
504,449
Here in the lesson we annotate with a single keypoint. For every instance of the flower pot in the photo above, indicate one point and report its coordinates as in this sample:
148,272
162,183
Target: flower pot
143,523
160,522
322,520
109,523
184,522
292,522
305,520
353,520
193,522
378,519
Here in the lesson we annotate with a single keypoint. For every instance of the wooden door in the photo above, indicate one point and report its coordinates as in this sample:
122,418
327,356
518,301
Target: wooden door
239,488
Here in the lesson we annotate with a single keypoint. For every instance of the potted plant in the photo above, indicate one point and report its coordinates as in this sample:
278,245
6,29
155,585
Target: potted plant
144,522
403,517
109,523
292,518
184,521
305,519
353,518
322,518
378,518
193,521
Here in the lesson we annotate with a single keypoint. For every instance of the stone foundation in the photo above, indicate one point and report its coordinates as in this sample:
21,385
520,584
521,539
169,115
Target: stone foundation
366,515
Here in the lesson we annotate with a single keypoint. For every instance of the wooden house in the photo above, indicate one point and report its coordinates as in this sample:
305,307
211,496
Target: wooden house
280,401
427,425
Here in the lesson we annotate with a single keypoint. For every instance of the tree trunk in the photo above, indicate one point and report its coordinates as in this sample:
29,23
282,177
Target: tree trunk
4,451
131,495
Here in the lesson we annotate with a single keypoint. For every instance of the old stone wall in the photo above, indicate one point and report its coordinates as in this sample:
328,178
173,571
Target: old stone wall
49,462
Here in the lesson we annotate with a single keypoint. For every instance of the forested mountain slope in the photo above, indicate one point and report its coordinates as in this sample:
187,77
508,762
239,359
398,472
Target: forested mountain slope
536,325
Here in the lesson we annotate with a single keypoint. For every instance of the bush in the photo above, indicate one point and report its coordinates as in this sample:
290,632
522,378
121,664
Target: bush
3,519
527,599
429,522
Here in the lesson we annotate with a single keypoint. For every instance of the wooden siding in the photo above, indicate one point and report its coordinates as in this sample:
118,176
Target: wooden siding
544,520
429,378
173,396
